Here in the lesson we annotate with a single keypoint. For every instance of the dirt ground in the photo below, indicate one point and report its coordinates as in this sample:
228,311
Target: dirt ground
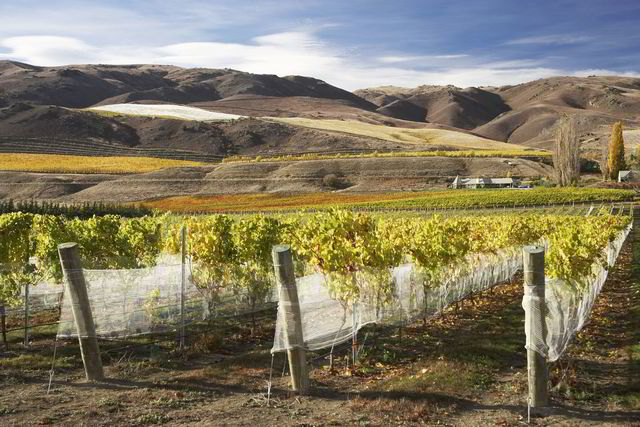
466,368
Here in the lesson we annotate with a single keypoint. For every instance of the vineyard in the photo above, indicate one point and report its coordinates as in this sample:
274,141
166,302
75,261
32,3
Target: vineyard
354,251
80,148
54,163
428,200
527,154
353,270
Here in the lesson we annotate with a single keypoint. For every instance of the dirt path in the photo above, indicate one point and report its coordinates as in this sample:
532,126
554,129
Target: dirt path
466,368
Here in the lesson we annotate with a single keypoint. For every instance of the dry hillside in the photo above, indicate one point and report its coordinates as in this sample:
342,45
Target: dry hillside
521,114
352,175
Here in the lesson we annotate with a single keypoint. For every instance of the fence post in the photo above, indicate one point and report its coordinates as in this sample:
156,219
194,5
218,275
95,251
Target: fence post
26,314
288,301
183,251
77,290
3,325
534,286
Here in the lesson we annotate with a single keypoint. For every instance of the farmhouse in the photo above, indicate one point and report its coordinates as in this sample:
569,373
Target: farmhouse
484,183
627,176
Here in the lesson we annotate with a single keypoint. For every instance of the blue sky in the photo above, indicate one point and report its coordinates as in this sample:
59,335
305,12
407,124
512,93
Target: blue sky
352,44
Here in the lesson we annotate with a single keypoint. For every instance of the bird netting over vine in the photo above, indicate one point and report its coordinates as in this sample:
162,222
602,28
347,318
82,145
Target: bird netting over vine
126,302
42,296
568,305
136,301
415,293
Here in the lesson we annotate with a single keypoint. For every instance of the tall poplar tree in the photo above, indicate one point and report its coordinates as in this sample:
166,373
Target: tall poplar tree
566,153
616,151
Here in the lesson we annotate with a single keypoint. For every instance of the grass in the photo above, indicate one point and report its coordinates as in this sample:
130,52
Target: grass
404,135
55,163
36,361
438,153
426,199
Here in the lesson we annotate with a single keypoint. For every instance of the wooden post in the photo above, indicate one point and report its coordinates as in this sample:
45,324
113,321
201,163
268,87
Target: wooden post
354,335
534,285
286,281
77,290
183,251
26,314
3,325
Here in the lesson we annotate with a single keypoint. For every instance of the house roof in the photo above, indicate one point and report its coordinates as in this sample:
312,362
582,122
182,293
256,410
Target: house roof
479,181
501,180
623,174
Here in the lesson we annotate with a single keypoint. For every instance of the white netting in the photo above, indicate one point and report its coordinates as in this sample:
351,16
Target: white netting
42,296
327,322
567,306
136,301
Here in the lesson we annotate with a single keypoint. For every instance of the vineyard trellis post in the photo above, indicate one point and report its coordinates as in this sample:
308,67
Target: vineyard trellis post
534,290
286,282
76,287
183,253
3,325
26,314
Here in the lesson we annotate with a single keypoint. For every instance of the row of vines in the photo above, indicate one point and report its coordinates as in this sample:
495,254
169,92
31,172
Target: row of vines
236,252
375,154
461,199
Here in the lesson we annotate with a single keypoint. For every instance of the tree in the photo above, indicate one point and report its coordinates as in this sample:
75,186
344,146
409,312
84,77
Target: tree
566,153
603,162
616,151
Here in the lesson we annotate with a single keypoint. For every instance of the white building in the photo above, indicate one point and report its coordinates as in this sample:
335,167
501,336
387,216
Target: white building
484,183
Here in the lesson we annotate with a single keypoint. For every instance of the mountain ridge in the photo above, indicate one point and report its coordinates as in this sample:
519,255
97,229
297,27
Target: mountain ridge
523,114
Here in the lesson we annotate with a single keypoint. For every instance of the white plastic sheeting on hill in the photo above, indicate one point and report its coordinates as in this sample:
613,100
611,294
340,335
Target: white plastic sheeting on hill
169,110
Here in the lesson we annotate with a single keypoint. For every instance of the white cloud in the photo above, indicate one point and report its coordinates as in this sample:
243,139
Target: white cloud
604,72
557,39
48,49
394,59
287,53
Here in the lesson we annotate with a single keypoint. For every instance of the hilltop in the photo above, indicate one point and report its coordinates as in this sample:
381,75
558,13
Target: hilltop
90,110
521,114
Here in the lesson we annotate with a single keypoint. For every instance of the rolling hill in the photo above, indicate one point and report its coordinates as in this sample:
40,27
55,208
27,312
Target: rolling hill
522,114
205,115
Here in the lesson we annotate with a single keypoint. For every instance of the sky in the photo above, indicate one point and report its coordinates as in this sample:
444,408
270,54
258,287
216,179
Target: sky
348,43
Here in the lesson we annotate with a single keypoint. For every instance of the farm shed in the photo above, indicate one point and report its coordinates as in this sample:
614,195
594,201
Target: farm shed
484,183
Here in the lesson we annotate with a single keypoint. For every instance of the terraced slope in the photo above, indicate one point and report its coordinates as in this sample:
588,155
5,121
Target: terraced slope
96,149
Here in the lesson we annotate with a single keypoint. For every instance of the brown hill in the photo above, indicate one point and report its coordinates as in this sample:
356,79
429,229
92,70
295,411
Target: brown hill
79,86
41,129
524,113
597,102
448,105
